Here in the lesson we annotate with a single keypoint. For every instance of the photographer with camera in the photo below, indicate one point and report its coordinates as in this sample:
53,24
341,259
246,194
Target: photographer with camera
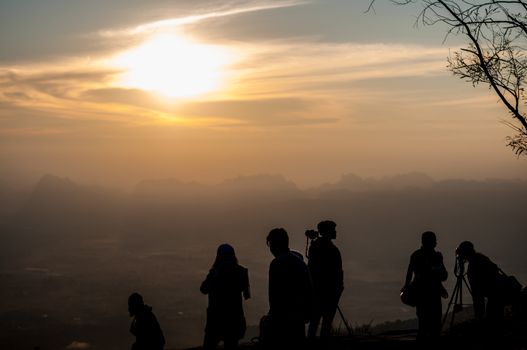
483,276
491,288
325,266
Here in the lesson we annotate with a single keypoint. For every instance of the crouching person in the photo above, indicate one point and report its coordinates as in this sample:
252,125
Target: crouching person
145,328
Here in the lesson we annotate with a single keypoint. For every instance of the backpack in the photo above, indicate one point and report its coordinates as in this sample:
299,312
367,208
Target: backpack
409,295
510,288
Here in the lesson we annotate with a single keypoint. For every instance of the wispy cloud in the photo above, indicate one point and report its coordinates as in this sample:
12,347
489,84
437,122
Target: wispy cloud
275,83
290,81
321,69
227,9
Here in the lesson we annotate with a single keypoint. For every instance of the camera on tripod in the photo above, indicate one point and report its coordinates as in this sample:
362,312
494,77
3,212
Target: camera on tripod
311,234
456,301
459,266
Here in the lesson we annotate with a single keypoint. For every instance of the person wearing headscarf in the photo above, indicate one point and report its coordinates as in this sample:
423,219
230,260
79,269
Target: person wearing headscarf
226,284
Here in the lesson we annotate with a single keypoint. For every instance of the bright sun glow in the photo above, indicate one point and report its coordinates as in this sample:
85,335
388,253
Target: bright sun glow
173,66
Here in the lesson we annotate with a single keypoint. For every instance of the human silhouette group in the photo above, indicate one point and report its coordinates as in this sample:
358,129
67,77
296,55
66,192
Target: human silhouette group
301,293
491,289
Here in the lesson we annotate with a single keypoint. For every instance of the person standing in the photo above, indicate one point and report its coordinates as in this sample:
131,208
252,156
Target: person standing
428,272
145,327
325,266
226,283
290,294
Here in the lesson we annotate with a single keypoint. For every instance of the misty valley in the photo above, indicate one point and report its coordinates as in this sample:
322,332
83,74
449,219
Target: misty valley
72,253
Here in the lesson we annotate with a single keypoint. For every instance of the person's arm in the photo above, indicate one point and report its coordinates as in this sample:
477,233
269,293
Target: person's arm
442,273
206,285
246,285
311,257
278,279
133,326
271,287
340,272
309,295
409,272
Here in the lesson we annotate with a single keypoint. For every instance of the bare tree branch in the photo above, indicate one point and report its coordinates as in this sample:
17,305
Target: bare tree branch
496,33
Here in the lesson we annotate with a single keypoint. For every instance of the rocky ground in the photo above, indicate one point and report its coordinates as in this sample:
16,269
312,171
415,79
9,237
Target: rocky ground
464,337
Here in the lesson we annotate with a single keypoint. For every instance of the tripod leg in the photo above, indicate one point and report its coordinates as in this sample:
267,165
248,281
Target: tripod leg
454,301
467,285
458,305
450,303
348,328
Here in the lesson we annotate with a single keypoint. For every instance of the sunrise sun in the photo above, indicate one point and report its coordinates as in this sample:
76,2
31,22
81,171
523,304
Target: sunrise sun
172,66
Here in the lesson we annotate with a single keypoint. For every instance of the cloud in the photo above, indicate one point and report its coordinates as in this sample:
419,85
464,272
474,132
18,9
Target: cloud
322,69
295,81
16,96
227,9
274,83
229,112
264,112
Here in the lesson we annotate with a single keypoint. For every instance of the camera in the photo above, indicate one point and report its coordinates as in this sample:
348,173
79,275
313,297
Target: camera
311,234
459,266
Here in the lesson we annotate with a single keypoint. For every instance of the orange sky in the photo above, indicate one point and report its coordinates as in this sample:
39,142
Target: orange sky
307,89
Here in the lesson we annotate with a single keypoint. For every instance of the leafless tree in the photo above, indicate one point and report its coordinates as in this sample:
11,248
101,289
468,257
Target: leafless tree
496,35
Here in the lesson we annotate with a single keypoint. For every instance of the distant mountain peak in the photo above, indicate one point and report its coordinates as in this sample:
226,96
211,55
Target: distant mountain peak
353,182
52,183
259,182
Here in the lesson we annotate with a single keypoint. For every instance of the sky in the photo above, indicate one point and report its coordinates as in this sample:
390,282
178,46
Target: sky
115,91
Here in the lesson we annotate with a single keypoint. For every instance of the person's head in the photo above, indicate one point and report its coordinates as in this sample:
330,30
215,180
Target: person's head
429,240
135,303
327,229
278,241
225,255
465,250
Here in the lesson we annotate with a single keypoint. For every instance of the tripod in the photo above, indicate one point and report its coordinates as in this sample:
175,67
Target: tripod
456,300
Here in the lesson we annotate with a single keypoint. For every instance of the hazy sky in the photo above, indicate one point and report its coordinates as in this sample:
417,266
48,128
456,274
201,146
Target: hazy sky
114,91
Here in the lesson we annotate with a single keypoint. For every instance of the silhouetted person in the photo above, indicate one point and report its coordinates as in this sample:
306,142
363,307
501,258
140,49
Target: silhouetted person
225,285
290,293
325,266
485,281
428,271
145,328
